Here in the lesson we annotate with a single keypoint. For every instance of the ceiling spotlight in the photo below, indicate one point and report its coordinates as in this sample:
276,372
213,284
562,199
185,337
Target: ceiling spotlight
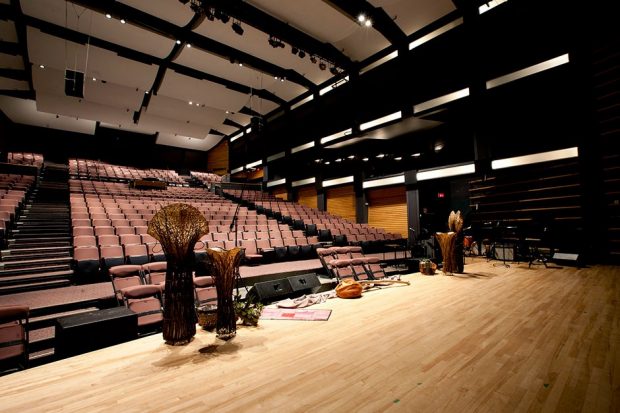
123,21
327,162
322,65
365,159
94,79
368,23
302,54
197,104
240,64
398,158
313,59
42,66
317,160
361,18
276,77
147,92
333,70
282,79
225,18
108,15
294,50
438,147
381,155
191,103
339,160
351,156
236,26
178,42
416,155
189,46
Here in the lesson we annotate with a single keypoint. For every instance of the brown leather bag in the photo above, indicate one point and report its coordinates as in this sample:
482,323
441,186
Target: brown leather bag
349,288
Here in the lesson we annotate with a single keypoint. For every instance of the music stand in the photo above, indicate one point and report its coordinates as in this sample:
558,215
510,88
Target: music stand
504,245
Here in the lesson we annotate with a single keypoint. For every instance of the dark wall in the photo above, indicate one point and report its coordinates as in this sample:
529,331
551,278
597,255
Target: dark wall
108,145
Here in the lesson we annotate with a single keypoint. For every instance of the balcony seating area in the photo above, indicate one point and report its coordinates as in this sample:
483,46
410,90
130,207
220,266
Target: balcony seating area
25,158
89,169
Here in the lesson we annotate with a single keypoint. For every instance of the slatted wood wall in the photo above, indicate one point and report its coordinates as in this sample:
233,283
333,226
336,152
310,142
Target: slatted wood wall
217,158
306,195
606,76
531,197
387,209
280,192
341,202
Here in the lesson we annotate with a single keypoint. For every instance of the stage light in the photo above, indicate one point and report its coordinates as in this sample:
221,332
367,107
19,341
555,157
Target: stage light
178,42
123,21
361,18
294,50
313,59
333,70
236,26
225,18
322,66
108,15
302,54
368,23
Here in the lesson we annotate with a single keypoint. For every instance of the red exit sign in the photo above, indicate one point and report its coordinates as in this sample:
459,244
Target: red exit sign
441,195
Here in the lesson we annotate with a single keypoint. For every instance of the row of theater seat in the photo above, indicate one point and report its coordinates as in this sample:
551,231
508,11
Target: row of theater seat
141,289
350,262
87,168
25,158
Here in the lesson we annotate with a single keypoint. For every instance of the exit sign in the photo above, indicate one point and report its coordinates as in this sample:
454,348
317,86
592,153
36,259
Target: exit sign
441,195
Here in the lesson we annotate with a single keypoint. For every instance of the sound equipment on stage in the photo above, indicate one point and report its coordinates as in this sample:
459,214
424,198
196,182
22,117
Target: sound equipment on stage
504,252
93,330
567,258
271,290
304,283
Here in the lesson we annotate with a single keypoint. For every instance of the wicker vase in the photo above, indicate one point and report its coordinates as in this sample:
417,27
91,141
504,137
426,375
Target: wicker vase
178,227
225,265
447,244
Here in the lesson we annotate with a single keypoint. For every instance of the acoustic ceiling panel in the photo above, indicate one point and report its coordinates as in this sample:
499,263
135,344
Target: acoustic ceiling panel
8,61
81,109
7,31
171,108
99,63
187,142
255,42
66,14
172,11
167,125
49,80
130,127
412,16
25,112
204,92
12,84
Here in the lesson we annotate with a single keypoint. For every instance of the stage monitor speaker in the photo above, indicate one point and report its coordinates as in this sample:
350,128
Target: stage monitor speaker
304,283
567,258
81,333
74,83
271,290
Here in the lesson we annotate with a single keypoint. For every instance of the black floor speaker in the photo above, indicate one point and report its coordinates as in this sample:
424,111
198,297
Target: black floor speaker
271,290
304,283
81,333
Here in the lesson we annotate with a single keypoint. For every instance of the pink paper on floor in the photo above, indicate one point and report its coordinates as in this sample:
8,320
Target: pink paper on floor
295,314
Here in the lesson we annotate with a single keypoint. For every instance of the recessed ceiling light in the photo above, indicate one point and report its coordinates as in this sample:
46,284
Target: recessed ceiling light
178,42
381,155
398,158
123,21
368,23
327,162
42,66
147,92
416,155
189,46
94,79
438,147
361,18
108,15
191,103
197,104
365,159
339,160
282,79
351,156
227,111
317,160
241,64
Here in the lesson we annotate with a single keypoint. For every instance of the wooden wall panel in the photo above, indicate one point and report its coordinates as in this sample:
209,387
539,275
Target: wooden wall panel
280,192
341,202
307,196
217,158
387,209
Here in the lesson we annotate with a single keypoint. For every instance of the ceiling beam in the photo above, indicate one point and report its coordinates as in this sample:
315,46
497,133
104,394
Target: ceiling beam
381,21
165,28
22,94
15,74
268,24
11,48
81,38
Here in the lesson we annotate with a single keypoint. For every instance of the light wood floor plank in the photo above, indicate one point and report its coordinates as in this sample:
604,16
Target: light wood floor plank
492,340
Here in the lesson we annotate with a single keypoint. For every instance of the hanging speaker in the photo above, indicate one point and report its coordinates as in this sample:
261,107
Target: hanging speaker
74,83
257,124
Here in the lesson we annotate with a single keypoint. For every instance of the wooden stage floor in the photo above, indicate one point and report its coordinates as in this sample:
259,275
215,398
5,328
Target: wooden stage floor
492,340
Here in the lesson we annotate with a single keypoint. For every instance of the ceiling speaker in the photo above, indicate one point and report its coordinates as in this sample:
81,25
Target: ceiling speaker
257,124
74,83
